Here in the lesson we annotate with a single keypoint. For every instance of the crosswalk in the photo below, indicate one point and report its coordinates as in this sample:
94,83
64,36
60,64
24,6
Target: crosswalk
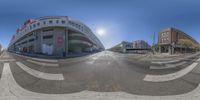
16,92
42,62
169,77
169,65
39,74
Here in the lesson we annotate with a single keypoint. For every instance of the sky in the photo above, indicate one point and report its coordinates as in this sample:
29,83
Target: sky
121,20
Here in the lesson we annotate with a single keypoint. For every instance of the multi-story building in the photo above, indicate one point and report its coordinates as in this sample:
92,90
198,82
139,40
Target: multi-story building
135,46
122,47
172,41
1,49
141,44
55,36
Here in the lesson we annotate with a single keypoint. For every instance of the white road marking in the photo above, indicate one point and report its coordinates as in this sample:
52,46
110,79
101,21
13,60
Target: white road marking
39,74
79,59
37,59
6,60
169,77
167,66
164,62
174,61
198,59
10,90
43,64
4,91
1,55
45,60
177,64
93,59
15,92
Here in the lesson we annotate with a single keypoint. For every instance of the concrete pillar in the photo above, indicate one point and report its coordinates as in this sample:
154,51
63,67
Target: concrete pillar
159,49
169,50
66,49
181,49
124,50
172,50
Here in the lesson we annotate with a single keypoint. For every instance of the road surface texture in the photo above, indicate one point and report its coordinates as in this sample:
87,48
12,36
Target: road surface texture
104,75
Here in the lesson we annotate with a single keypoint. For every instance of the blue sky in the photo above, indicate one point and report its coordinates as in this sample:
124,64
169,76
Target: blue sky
121,19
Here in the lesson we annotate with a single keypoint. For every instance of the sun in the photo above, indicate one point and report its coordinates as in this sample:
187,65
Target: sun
101,32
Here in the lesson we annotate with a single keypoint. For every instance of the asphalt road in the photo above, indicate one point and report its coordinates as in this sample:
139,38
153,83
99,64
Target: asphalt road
102,72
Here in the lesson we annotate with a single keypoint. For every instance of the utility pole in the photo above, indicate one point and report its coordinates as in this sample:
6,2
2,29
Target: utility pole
153,38
153,43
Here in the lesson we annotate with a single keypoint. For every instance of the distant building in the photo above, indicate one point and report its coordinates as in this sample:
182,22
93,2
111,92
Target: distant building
54,36
141,44
1,48
172,41
134,47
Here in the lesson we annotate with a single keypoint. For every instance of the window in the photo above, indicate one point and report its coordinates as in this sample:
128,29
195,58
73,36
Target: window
50,22
31,40
44,23
34,25
47,30
48,37
57,21
76,25
79,26
73,24
63,22
38,24
163,34
24,42
30,27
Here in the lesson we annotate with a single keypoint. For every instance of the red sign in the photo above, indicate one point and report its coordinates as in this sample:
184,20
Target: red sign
60,40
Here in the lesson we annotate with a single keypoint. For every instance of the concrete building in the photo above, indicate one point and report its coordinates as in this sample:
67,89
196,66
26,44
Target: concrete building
172,41
138,46
1,48
141,44
54,36
122,47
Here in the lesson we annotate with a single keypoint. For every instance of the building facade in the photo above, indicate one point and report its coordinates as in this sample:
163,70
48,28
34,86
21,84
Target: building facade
141,44
172,41
54,36
1,49
131,47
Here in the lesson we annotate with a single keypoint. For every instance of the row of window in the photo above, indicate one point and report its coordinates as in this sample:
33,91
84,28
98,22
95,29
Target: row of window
37,24
76,25
164,40
47,30
48,37
47,22
165,34
79,38
24,42
128,46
